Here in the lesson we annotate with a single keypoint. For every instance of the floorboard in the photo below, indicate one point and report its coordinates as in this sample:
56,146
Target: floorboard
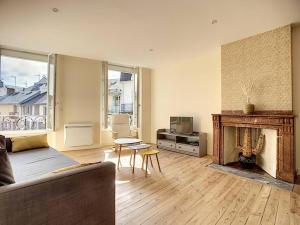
189,192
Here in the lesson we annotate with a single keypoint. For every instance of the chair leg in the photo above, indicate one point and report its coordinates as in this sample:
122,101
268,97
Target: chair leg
151,161
146,172
158,163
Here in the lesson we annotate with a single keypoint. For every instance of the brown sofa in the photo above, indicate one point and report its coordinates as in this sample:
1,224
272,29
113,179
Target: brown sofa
85,195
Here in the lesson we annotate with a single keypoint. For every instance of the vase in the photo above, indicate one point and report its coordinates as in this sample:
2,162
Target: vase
247,162
249,109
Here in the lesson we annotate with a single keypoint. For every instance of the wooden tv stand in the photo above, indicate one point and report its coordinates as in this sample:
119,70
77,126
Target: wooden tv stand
194,144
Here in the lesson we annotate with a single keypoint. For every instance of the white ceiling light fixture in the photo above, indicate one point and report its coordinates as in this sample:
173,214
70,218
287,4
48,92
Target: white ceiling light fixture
214,21
55,10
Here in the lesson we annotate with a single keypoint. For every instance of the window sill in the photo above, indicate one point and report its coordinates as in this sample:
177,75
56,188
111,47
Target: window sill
17,133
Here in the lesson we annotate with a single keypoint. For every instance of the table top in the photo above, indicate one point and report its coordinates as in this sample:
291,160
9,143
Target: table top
127,141
139,147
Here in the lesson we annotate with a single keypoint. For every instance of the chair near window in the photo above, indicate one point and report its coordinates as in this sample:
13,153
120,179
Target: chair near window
120,126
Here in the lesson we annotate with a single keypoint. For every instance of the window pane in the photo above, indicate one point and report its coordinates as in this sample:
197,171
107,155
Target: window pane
23,92
121,94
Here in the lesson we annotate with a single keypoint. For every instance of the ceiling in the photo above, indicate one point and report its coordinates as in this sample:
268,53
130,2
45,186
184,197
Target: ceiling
124,31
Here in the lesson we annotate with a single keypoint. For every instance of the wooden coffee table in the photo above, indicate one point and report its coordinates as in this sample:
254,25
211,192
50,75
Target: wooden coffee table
125,142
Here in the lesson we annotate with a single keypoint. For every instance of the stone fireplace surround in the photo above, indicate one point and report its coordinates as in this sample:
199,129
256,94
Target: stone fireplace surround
282,122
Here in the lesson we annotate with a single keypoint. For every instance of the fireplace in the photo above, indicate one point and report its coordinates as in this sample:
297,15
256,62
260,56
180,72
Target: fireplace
283,125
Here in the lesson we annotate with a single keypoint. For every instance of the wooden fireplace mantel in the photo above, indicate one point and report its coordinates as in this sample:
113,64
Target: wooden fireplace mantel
283,124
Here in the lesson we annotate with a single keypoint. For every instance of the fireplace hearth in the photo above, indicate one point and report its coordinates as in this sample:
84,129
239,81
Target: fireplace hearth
282,124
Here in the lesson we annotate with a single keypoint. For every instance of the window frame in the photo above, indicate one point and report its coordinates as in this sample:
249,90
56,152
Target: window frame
52,110
129,69
34,56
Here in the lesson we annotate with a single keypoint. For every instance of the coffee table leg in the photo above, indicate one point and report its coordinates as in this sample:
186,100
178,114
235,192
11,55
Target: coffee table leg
146,172
143,161
119,161
130,159
133,164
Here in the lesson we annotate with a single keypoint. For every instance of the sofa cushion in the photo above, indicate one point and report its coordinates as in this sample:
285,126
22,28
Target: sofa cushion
6,174
29,142
32,164
74,167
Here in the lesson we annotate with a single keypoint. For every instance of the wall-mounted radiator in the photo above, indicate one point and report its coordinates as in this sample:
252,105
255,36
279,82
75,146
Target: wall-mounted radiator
78,134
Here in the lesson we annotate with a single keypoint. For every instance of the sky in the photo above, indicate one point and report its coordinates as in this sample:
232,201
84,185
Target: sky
27,72
112,74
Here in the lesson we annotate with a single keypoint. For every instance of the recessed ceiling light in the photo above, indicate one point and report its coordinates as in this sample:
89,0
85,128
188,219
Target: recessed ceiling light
55,10
214,21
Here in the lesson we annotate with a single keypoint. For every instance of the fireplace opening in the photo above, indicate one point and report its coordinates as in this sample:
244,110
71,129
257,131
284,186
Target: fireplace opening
251,149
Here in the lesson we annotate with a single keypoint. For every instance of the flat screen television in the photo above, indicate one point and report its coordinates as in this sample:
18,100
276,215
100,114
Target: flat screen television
181,125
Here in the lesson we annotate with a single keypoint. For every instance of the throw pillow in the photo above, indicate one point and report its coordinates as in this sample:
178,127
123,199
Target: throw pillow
29,142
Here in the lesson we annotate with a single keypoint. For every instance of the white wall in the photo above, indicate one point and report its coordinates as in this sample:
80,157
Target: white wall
189,88
77,97
145,97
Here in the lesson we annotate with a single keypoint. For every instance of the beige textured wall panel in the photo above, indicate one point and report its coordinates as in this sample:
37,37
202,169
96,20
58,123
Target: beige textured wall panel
266,59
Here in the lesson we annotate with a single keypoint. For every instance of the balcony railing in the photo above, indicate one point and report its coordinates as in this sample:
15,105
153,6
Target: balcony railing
11,123
123,108
127,108
131,118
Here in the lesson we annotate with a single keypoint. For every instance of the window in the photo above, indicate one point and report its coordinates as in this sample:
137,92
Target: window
121,93
26,85
15,109
44,110
36,110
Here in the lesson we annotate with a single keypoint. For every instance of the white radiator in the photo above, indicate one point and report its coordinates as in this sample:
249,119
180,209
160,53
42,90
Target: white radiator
78,134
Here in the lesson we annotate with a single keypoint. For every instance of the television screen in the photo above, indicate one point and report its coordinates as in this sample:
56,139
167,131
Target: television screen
181,125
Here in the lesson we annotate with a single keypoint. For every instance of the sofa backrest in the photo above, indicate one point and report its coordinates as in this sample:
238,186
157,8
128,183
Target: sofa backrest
80,196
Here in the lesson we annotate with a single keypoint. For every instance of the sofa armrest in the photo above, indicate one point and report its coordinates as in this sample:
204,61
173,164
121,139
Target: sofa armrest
85,195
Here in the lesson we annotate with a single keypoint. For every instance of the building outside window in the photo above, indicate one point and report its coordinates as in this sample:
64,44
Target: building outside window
24,90
122,92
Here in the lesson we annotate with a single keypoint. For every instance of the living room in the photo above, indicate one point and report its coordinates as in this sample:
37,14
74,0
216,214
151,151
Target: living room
149,112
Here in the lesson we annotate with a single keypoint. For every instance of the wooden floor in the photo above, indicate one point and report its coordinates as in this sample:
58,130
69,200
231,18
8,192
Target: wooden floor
188,192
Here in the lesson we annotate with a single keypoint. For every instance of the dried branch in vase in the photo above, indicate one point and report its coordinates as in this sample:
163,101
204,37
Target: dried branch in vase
247,87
